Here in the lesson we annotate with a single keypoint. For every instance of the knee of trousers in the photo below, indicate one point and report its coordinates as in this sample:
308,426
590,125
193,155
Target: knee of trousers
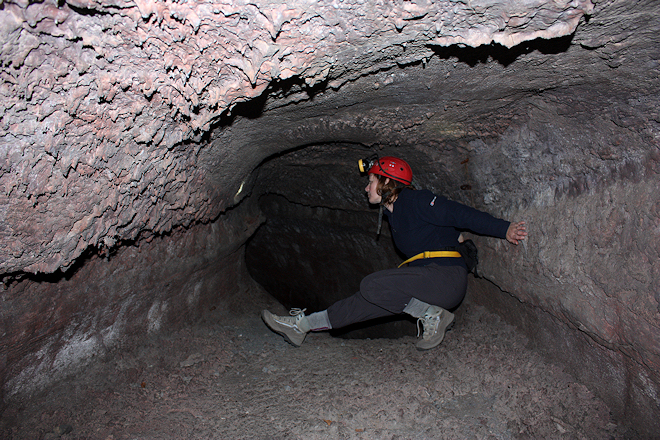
372,290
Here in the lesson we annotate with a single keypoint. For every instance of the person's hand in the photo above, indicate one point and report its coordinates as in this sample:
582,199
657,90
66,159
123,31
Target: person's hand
516,232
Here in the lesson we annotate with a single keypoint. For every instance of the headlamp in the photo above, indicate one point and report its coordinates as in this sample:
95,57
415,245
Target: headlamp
365,164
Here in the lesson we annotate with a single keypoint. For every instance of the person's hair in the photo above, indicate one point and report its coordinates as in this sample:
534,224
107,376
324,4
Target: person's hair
389,191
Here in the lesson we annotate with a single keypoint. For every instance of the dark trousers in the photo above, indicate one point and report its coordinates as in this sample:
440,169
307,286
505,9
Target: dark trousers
387,292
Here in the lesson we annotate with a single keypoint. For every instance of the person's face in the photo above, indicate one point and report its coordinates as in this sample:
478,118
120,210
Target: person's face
372,193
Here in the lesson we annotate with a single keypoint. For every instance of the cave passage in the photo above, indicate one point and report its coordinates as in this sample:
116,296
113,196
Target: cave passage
170,169
228,376
319,236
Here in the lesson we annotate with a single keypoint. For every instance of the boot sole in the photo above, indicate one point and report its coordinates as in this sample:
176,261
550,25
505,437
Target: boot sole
266,317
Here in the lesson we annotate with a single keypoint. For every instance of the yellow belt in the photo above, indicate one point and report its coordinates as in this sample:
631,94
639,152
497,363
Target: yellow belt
432,254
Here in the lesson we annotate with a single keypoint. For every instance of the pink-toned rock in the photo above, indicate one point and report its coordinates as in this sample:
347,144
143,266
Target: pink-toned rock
184,65
135,125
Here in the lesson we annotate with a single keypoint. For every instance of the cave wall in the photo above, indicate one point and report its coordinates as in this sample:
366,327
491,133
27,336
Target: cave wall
53,325
621,381
130,125
584,286
111,103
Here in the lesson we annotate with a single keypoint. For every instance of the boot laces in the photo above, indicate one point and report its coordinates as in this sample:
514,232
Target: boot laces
296,315
296,312
429,324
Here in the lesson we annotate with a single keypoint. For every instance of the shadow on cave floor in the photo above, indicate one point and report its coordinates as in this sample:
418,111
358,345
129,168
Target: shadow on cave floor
235,379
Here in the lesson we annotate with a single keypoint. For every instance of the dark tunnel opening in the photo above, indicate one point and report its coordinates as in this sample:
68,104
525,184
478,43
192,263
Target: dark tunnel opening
319,237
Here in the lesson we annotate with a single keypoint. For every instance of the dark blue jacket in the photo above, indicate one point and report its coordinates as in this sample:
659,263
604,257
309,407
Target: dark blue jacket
422,221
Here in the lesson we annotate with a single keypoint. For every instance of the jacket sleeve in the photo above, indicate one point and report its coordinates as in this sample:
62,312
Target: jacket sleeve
440,211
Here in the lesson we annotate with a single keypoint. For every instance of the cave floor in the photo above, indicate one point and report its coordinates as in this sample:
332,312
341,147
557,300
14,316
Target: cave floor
234,379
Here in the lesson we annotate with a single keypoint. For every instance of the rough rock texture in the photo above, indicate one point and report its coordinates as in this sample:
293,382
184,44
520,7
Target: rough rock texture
110,103
229,377
58,324
611,374
139,125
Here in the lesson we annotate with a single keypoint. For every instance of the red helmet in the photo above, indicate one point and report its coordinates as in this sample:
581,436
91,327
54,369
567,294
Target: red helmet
394,168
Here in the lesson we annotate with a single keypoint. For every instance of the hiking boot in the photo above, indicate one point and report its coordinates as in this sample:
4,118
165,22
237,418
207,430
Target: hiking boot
294,328
435,322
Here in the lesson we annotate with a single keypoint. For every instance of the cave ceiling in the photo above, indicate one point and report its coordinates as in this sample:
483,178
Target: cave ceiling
127,119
